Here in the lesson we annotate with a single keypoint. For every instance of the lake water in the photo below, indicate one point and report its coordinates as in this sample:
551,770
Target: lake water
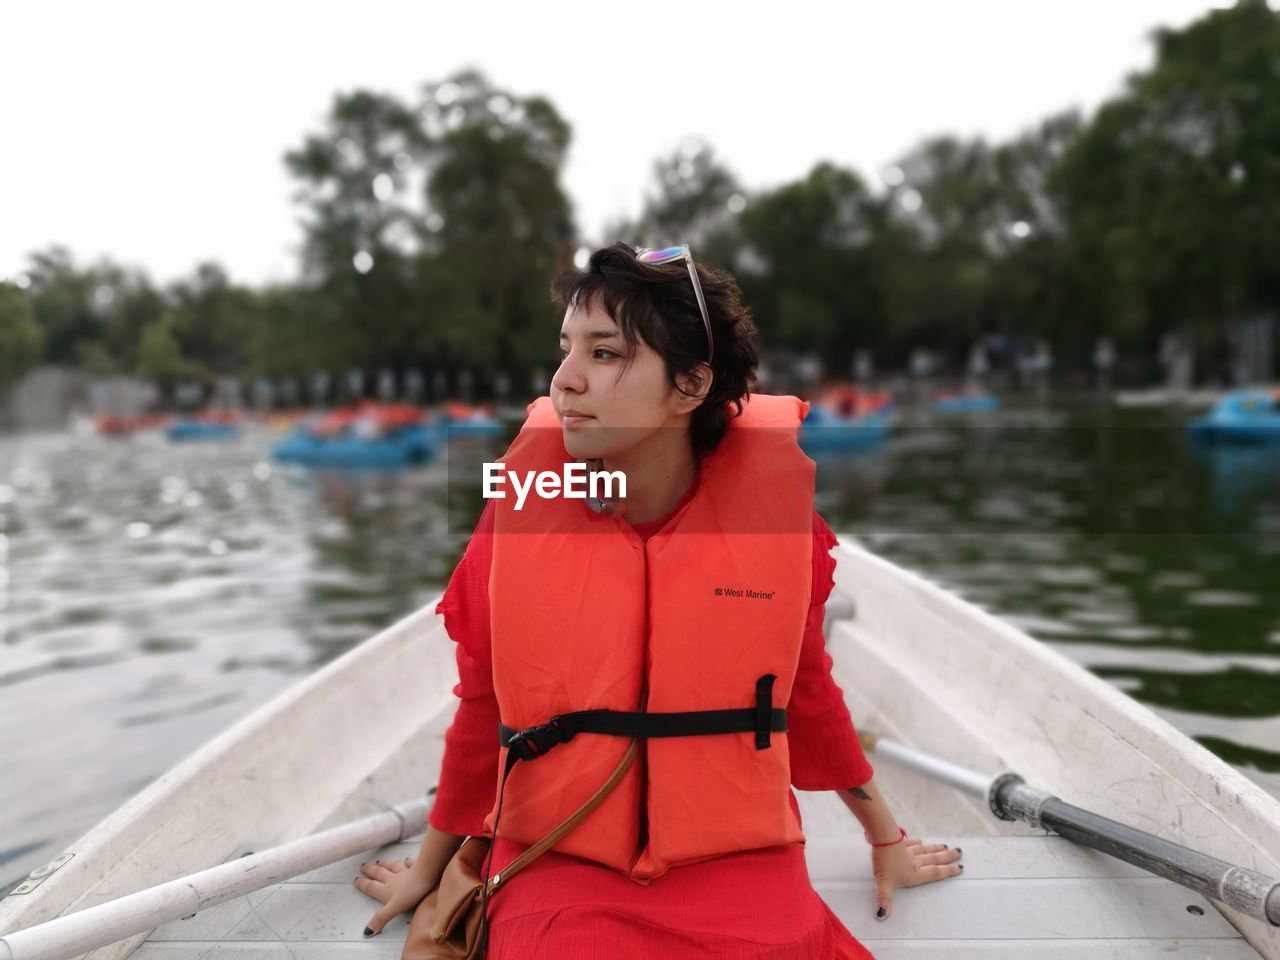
152,594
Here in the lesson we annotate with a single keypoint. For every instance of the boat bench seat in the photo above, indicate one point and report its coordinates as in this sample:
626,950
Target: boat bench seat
1019,897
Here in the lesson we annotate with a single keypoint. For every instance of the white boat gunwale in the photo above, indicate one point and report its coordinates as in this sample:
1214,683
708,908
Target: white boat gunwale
899,661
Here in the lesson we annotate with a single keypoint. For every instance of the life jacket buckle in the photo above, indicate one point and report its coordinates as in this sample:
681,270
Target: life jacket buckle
532,742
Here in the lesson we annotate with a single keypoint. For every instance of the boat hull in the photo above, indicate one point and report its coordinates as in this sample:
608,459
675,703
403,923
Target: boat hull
403,449
916,662
186,432
1244,417
985,403
830,435
922,666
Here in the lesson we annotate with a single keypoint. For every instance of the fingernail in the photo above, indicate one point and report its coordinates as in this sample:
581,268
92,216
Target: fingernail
368,932
958,850
881,914
960,865
945,847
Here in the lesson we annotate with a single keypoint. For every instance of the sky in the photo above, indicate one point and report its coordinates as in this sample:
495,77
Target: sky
153,132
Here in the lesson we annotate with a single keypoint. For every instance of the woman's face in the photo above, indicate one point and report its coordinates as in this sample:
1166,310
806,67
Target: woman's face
605,411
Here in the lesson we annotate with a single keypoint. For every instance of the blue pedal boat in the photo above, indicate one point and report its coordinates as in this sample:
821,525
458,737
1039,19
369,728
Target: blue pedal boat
186,430
1245,416
967,403
828,432
402,447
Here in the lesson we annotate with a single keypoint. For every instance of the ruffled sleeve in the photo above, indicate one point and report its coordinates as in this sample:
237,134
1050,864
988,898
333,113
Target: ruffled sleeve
465,793
824,747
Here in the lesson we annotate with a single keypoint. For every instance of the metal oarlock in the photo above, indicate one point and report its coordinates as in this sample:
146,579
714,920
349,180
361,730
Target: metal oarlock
1011,798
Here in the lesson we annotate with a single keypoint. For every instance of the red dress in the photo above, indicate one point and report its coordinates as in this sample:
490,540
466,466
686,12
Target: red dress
750,905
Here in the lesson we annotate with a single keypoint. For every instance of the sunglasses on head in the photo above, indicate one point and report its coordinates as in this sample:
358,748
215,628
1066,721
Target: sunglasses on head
681,252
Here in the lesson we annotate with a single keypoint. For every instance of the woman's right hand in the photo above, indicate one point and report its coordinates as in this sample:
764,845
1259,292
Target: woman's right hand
394,884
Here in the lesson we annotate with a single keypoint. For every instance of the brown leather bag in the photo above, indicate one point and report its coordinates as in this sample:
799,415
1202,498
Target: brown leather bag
449,923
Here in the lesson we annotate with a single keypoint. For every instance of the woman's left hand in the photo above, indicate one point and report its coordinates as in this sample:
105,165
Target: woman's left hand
910,864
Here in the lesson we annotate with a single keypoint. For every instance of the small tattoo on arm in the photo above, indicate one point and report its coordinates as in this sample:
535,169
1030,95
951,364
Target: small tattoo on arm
858,792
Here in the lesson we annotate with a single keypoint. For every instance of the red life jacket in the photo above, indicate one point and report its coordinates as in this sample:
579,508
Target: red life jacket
707,615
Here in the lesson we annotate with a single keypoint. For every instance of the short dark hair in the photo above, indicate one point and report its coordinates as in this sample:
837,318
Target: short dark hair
655,302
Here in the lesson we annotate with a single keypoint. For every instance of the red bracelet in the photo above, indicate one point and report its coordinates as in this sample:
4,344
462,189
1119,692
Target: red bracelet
902,836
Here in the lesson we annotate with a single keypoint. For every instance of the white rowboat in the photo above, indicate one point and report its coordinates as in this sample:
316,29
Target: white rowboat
248,848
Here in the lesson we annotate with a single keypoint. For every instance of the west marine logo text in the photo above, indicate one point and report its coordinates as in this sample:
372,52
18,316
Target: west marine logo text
745,594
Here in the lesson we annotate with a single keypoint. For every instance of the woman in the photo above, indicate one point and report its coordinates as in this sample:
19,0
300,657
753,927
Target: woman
705,586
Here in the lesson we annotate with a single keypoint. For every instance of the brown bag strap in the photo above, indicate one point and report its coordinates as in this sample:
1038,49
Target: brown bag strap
550,839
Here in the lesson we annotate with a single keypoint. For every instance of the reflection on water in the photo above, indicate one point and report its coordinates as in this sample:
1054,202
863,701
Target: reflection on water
1150,561
1240,475
158,593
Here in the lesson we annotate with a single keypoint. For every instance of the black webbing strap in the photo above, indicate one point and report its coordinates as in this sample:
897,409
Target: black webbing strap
764,703
762,719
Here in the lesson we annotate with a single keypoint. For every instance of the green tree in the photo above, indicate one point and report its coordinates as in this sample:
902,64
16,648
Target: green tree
808,268
359,226
20,338
693,198
498,226
282,339
433,231
159,357
1172,193
91,317
211,320
1030,294
61,296
946,223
